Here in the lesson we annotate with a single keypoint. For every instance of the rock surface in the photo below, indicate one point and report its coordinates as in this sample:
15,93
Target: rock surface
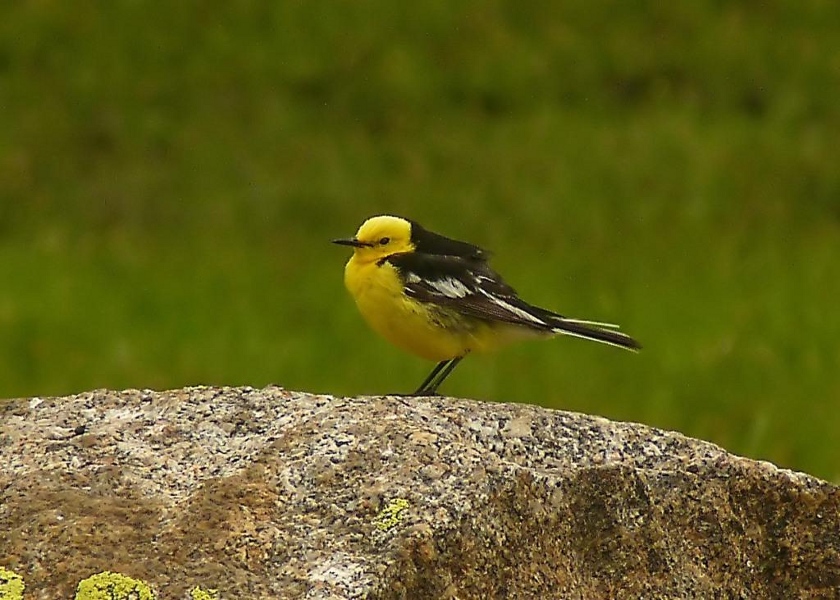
279,494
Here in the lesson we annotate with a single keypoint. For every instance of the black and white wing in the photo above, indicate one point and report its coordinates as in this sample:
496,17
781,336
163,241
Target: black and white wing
473,289
467,286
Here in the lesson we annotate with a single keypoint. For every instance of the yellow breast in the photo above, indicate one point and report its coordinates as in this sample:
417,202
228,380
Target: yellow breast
406,323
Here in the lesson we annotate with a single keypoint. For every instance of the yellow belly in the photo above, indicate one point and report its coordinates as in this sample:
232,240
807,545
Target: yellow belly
408,324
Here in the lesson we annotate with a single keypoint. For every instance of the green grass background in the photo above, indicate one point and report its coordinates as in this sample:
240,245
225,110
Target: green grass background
171,174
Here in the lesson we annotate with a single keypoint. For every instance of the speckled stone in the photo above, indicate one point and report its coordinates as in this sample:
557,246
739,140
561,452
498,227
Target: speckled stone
279,494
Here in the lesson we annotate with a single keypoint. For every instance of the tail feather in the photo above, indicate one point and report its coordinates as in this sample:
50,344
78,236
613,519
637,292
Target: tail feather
598,324
595,332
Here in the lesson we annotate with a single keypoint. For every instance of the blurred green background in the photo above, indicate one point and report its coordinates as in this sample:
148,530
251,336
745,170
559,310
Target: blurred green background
172,173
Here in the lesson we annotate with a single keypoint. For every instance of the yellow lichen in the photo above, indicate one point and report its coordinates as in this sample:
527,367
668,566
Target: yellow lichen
11,585
112,586
198,593
392,514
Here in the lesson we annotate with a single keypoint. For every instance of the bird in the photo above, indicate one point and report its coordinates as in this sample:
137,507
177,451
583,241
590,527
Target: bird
438,298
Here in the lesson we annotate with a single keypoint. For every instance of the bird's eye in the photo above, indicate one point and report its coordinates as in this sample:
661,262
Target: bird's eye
384,240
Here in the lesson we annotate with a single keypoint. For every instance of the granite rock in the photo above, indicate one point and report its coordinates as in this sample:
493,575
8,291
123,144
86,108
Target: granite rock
279,494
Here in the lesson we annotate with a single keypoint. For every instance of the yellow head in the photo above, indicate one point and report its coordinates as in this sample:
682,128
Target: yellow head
385,235
379,237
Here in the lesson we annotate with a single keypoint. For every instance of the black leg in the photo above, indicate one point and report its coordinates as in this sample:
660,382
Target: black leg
432,389
437,376
431,377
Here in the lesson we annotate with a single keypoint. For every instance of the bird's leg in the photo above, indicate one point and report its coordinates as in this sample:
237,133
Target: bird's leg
437,376
422,389
432,389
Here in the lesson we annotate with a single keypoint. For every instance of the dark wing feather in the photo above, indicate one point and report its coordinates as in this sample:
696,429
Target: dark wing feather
469,287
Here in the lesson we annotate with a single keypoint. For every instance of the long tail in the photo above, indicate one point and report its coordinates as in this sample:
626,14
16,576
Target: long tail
598,332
